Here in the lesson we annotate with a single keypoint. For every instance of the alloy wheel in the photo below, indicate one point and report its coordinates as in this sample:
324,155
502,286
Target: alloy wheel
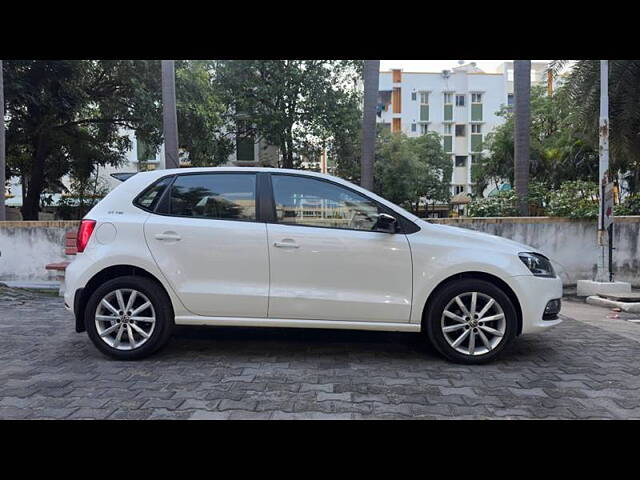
473,323
125,319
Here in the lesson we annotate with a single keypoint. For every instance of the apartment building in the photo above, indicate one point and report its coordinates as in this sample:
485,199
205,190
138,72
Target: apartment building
460,104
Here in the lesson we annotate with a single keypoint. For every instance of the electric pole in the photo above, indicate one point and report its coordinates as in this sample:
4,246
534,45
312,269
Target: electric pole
169,115
603,170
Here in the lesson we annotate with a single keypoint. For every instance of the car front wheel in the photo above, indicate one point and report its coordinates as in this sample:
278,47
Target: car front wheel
129,317
471,321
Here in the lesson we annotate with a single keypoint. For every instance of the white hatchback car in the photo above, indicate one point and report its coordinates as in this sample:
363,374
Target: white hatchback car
267,247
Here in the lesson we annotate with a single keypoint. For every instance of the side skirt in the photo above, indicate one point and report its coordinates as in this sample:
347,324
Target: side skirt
295,323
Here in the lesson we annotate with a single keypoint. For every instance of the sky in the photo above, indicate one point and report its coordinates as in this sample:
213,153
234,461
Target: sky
488,66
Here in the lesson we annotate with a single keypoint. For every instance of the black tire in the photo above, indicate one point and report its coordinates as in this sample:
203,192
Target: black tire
163,312
433,317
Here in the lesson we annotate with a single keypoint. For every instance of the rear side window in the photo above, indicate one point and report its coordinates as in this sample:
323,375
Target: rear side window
148,199
223,196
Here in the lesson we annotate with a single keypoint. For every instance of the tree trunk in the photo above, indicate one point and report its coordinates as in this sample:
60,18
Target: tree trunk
522,92
2,150
371,77
287,157
31,198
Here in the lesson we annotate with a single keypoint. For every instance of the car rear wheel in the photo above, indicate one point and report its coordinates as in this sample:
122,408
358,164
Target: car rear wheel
471,321
129,317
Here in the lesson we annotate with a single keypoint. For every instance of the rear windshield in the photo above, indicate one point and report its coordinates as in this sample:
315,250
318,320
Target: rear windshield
148,199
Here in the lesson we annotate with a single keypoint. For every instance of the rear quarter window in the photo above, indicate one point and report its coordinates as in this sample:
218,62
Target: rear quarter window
149,198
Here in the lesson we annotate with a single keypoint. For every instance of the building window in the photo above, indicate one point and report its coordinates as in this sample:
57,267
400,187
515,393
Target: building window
413,96
424,128
448,143
145,151
413,127
424,106
476,107
510,75
460,130
448,97
447,129
458,189
476,128
459,100
461,161
510,99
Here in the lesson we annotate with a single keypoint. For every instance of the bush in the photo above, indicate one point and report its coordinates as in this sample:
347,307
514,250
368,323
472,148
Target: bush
629,206
577,199
503,204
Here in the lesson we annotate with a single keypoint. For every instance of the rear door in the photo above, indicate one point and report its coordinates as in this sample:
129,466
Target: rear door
210,246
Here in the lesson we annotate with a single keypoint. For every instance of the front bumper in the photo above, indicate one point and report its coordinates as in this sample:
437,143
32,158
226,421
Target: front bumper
534,293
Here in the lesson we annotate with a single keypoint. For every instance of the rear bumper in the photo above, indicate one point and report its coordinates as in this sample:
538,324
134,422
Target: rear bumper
534,293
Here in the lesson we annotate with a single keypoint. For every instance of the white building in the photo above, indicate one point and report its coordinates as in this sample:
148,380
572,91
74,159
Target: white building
460,104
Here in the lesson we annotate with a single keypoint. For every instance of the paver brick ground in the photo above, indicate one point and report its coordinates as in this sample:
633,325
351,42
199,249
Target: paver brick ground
576,370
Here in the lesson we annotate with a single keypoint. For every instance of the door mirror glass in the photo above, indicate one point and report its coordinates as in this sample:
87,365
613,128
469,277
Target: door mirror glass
386,223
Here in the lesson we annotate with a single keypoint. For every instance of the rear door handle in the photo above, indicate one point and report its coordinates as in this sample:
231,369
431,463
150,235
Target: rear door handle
286,244
170,236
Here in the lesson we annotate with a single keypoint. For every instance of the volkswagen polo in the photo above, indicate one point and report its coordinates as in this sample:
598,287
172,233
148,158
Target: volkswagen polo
266,247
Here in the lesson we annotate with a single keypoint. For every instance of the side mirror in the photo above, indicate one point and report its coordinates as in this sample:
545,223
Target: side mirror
386,223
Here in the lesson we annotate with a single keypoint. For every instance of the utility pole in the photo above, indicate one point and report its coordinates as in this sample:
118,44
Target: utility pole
3,211
371,76
169,115
603,170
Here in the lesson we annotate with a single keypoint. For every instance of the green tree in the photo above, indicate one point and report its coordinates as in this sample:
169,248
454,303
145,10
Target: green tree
68,115
559,150
410,168
290,103
71,117
582,85
201,114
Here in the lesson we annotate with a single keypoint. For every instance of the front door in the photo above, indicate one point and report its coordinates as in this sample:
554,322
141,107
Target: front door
328,262
210,247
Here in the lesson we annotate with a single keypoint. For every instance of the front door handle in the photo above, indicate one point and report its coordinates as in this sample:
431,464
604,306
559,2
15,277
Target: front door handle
286,244
169,236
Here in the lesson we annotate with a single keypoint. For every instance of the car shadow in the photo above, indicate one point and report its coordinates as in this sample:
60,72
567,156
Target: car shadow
294,341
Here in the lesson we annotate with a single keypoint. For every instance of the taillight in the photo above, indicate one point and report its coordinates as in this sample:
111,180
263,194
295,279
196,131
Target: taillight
84,234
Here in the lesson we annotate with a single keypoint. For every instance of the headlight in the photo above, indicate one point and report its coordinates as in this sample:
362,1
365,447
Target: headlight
539,265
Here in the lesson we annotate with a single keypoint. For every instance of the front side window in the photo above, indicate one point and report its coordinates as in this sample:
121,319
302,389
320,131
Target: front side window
222,196
460,131
317,203
459,100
